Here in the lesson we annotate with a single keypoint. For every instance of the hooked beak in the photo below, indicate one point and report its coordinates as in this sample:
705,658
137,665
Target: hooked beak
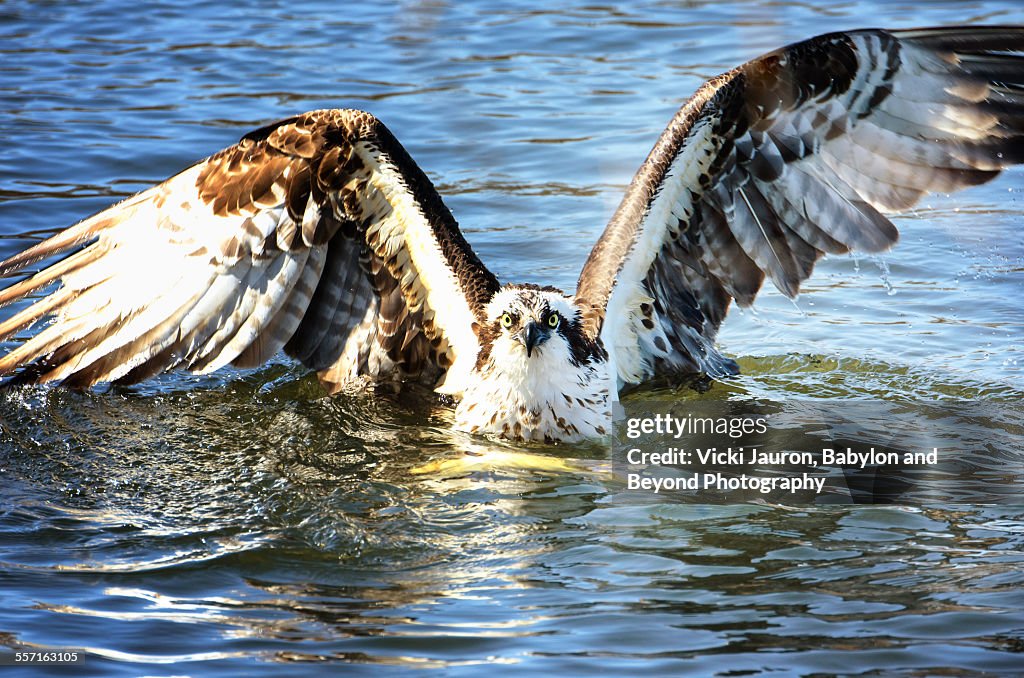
531,336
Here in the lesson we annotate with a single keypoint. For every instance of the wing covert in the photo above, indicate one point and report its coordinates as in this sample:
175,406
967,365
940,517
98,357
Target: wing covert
317,234
789,157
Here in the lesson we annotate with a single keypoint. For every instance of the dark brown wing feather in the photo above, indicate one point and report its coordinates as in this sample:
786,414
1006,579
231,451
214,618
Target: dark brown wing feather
317,233
791,156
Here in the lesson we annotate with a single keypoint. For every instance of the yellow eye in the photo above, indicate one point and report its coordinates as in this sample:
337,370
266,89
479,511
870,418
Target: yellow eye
506,321
553,320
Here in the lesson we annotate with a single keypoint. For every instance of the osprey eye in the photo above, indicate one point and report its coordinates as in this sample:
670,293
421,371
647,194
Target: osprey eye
506,321
553,320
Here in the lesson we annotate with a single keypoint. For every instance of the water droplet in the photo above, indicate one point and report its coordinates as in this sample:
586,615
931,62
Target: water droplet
884,268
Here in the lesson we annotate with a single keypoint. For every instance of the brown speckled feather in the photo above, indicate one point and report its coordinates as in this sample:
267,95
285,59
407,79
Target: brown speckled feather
317,233
791,156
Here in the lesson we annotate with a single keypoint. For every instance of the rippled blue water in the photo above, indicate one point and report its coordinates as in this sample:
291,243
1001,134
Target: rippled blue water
240,524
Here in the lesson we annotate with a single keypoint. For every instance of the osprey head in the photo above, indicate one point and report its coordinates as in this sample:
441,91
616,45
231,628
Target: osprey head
526,324
538,374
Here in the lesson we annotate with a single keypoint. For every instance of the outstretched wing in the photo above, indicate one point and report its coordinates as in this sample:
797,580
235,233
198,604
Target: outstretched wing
784,159
318,234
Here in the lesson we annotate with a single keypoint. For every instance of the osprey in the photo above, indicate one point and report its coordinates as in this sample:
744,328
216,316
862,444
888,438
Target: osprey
318,234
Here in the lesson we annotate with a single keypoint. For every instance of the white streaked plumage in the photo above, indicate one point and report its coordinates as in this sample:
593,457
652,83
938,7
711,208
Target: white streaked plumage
319,235
544,394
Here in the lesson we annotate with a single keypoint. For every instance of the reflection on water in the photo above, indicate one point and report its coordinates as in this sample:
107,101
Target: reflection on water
298,530
233,523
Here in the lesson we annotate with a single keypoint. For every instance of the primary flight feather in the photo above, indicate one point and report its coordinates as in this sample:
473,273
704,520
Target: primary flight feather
319,235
